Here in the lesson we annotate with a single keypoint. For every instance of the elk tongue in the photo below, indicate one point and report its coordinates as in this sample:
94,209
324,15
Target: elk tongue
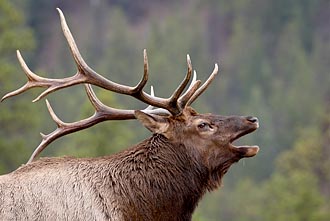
247,151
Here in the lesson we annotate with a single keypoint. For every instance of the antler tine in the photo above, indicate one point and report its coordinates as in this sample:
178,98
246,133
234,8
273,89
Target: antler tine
152,93
193,87
193,80
47,139
139,87
56,119
175,96
83,69
97,104
71,42
94,78
33,79
119,114
204,86
108,112
152,110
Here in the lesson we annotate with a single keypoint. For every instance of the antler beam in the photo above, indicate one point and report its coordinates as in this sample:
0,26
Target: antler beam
86,75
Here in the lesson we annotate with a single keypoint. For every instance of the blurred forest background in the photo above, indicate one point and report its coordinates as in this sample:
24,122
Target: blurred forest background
274,58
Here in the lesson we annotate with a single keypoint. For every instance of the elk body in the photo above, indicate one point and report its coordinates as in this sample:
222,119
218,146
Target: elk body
161,178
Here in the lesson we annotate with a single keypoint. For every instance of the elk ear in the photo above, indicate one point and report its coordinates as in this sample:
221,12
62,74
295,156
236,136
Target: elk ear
154,123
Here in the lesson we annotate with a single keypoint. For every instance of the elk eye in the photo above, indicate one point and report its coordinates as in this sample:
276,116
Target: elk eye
203,125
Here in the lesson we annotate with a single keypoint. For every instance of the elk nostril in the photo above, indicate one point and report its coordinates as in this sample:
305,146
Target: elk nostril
252,119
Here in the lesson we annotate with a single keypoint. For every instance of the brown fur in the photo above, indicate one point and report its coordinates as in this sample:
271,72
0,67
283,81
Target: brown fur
161,178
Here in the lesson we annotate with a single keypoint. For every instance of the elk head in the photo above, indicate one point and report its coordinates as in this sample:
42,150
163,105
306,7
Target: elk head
210,136
207,137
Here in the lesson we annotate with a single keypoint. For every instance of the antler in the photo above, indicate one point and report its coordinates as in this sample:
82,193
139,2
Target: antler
86,75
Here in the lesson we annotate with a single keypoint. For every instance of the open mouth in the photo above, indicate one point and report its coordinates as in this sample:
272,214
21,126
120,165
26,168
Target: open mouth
245,150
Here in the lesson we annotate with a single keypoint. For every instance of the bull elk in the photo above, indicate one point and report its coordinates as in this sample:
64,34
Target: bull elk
161,178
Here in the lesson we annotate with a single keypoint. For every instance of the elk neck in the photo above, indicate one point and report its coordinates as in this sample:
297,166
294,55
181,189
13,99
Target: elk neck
157,170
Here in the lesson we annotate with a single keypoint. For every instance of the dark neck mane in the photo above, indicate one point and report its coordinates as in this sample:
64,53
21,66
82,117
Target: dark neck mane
163,172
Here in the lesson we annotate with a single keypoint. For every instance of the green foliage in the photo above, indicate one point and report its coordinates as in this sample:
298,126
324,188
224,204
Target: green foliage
241,203
295,197
299,188
15,117
11,26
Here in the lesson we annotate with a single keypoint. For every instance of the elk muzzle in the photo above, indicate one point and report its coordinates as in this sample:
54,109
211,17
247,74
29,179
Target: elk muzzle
246,125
